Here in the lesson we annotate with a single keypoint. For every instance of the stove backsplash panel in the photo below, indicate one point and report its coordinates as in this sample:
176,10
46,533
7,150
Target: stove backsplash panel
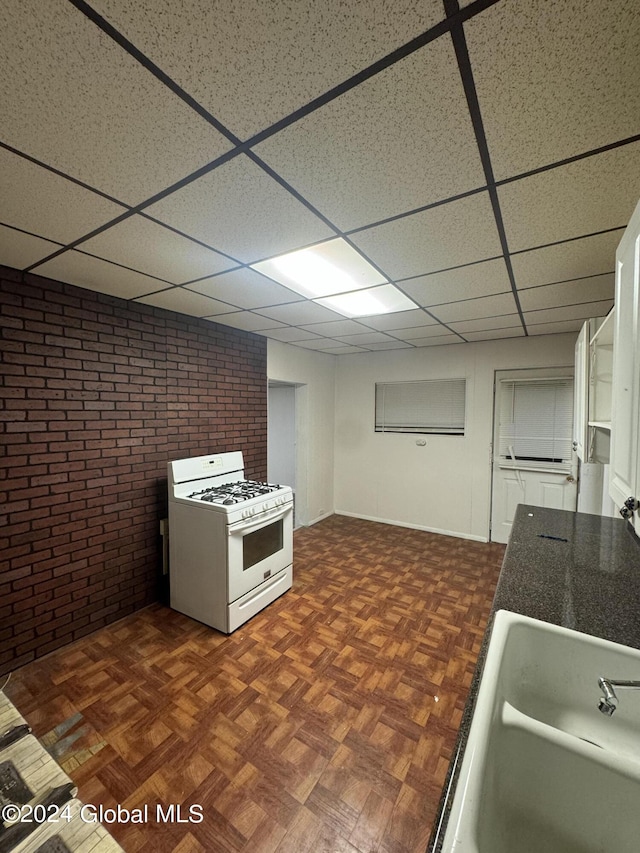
98,394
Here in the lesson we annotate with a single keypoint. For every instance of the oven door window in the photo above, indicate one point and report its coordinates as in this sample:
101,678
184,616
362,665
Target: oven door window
260,544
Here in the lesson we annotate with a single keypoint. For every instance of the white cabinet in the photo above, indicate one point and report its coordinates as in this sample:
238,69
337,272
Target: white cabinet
624,479
580,392
601,374
592,390
600,390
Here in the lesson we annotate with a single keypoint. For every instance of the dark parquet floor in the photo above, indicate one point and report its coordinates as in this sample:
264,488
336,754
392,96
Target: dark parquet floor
324,724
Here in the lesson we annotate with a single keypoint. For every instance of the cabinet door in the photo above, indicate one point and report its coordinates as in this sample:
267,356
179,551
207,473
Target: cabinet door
624,475
580,388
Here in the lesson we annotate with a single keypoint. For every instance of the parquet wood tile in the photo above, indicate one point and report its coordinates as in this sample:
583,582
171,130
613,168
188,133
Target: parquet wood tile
326,723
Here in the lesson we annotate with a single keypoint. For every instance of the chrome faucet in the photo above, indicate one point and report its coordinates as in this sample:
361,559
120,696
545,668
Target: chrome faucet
609,701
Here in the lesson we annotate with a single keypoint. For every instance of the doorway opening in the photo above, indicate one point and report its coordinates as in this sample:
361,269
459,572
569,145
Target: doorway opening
285,441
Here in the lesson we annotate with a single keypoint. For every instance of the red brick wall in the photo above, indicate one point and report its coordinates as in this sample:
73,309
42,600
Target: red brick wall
97,395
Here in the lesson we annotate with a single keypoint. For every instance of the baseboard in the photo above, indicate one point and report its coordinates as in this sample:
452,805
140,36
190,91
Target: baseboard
455,533
316,520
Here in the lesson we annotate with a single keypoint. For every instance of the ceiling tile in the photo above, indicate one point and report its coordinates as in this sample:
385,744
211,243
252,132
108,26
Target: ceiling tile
568,293
494,334
75,92
555,79
445,236
33,198
482,279
246,289
554,328
320,344
344,350
398,141
569,312
291,334
238,209
339,327
436,341
248,322
366,339
187,302
252,63
486,306
575,200
576,259
414,332
401,320
485,324
300,313
391,344
144,245
20,250
95,274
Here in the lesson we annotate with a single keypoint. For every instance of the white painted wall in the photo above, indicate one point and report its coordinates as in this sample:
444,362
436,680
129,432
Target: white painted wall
314,374
446,485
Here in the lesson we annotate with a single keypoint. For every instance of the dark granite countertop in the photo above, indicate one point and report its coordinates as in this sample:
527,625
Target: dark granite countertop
567,568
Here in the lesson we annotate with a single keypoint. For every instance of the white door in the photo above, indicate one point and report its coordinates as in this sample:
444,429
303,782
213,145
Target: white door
533,461
625,404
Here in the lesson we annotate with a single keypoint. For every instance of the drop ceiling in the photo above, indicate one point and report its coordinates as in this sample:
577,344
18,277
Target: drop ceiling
484,157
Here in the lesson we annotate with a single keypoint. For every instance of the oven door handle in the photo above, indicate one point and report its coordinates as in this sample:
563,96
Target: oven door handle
255,522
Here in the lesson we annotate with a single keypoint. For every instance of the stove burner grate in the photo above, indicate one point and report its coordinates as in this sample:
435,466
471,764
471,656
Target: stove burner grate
233,493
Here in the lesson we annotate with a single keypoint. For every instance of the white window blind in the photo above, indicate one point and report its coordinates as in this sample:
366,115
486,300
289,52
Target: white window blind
536,418
428,406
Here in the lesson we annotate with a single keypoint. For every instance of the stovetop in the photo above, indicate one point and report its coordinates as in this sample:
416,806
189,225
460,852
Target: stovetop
234,493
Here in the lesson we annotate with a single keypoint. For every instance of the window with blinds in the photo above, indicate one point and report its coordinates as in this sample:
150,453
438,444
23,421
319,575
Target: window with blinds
536,423
427,406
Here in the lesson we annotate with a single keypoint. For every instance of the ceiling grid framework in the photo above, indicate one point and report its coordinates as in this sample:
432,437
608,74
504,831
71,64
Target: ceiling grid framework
482,155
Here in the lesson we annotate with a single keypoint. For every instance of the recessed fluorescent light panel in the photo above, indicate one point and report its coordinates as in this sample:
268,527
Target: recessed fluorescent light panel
333,267
385,299
335,275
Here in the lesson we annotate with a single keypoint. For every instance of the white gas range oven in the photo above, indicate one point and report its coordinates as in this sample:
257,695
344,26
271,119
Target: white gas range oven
230,540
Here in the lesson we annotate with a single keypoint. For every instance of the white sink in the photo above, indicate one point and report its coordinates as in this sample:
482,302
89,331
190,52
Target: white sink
543,769
551,674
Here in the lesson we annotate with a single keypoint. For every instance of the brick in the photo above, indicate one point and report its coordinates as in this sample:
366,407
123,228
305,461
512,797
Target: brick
22,335
106,392
16,357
